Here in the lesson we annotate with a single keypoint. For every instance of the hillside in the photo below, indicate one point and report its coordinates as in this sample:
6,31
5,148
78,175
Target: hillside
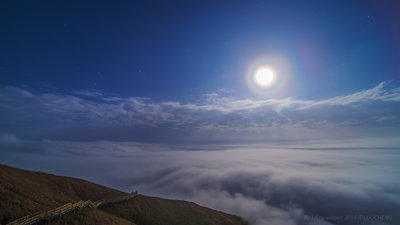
146,210
24,192
90,217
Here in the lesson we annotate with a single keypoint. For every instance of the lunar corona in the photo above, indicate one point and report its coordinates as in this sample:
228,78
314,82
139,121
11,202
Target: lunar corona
264,76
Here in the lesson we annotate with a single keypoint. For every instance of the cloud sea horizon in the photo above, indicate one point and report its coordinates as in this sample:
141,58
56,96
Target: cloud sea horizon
270,161
281,112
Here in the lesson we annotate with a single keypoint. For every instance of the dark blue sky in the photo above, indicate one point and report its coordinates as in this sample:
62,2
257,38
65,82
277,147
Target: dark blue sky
157,96
179,50
177,72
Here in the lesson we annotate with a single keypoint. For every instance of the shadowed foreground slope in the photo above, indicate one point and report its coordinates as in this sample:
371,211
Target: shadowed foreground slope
146,210
89,217
24,192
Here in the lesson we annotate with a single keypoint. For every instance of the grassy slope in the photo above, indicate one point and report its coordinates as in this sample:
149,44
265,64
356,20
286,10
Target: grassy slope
24,192
146,210
90,217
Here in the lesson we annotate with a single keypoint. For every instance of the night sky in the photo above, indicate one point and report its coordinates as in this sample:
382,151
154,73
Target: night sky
166,88
177,50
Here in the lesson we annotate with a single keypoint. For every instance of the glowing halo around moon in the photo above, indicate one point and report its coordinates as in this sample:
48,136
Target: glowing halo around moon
264,76
268,76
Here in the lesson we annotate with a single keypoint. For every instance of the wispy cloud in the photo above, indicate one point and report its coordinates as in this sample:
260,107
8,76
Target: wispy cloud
252,162
93,115
90,93
379,93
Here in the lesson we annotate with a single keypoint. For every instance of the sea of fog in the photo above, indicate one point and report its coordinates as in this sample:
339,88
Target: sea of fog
264,185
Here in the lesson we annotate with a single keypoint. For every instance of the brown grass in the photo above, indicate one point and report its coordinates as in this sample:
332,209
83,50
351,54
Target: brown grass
24,192
146,210
89,217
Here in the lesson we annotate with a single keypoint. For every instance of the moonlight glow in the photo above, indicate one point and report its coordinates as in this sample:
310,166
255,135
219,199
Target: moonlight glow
264,76
267,76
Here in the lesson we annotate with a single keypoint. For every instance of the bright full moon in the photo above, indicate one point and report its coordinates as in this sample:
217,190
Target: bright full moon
264,77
